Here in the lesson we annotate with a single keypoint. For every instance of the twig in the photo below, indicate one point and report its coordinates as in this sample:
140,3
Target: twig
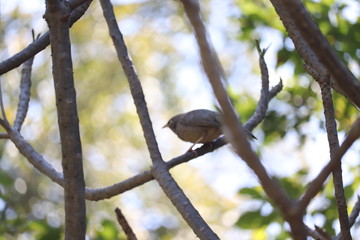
24,96
266,95
354,214
3,113
315,234
125,225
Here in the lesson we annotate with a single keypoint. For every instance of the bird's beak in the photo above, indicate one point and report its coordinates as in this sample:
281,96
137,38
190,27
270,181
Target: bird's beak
166,125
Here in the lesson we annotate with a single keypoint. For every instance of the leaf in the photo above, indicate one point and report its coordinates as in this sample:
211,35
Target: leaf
254,193
254,219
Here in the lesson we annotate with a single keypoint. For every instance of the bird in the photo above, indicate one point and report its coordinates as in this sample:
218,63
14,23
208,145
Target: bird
197,126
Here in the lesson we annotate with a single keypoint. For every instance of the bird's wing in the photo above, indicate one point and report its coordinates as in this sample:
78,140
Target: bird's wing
202,117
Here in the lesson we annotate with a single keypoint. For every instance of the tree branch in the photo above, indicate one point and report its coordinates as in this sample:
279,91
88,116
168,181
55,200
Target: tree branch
78,7
24,96
234,130
314,49
125,225
57,16
159,170
331,129
2,107
316,185
266,95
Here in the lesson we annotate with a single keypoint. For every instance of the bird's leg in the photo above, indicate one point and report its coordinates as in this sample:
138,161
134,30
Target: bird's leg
190,149
196,142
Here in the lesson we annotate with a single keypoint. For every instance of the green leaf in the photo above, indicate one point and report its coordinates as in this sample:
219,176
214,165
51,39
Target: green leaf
255,193
254,219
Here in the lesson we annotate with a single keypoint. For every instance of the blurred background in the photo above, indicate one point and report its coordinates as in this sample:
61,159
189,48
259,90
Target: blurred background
292,142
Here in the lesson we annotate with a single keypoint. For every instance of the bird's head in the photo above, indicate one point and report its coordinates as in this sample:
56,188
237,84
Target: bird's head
172,123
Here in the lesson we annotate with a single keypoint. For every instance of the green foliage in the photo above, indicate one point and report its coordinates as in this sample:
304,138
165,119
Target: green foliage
244,103
255,219
254,192
43,231
274,126
341,32
107,231
256,14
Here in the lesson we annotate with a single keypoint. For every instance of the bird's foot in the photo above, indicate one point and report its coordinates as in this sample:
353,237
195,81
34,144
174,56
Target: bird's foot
192,150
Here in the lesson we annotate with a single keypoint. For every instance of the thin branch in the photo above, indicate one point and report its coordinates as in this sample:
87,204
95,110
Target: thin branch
96,194
57,16
32,156
354,214
3,113
315,50
125,225
331,129
78,7
4,136
159,169
265,97
316,185
234,130
315,234
24,96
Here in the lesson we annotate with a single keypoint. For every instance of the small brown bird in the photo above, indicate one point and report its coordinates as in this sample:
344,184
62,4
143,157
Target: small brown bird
197,126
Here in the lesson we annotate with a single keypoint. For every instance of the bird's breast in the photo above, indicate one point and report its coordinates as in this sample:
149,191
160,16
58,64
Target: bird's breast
198,134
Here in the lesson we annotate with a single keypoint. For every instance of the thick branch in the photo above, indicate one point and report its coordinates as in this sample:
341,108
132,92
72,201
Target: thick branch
315,50
234,131
57,17
159,169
